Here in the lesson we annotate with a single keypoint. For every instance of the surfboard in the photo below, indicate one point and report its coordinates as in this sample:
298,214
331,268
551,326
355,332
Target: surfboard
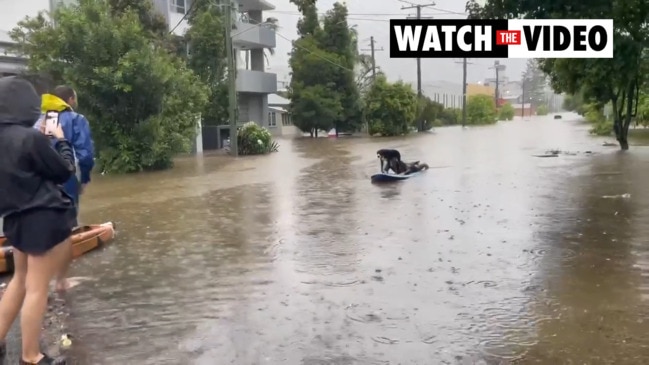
383,177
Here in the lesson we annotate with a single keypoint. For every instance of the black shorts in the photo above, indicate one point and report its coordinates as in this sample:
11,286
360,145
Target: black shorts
37,231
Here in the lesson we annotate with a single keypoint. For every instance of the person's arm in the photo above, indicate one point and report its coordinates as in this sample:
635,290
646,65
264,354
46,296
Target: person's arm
83,147
55,165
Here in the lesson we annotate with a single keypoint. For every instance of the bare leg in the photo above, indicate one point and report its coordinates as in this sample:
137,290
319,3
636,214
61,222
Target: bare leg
41,269
13,297
62,283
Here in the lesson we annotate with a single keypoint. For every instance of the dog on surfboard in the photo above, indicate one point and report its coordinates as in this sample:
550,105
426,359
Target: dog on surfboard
387,158
391,160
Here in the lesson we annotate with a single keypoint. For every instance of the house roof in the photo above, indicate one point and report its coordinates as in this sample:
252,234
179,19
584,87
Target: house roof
274,99
281,110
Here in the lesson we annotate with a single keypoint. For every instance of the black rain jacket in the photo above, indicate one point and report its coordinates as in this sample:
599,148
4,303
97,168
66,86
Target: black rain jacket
31,171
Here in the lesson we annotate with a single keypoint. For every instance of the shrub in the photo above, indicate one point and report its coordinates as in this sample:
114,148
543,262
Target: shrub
253,139
542,110
506,112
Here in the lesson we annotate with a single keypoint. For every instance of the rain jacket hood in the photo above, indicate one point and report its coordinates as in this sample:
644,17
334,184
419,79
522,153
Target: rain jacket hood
51,102
19,102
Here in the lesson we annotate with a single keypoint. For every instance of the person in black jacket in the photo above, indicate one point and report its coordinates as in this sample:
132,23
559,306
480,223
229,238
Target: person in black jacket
38,214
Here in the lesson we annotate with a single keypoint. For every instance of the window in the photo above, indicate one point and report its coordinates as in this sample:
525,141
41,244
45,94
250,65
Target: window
286,119
272,119
177,6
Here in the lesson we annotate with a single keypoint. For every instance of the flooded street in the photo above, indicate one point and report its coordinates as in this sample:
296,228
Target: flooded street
491,257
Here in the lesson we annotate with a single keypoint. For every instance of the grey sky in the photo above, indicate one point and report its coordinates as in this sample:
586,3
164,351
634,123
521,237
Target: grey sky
370,20
373,21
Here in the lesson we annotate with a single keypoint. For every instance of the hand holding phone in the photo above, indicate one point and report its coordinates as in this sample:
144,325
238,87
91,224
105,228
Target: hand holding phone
52,127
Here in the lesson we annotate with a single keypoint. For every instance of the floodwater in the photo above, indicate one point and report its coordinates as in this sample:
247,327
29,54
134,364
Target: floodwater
493,256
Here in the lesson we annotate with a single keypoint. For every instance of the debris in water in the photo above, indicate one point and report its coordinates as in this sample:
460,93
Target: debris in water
65,341
622,196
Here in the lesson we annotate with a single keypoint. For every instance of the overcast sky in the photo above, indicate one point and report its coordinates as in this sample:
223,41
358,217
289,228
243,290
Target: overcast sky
371,19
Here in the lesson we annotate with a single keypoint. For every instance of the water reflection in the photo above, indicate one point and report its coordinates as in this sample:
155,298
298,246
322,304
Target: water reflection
589,295
295,258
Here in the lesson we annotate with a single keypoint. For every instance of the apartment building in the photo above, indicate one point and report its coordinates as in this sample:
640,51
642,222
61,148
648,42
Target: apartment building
252,37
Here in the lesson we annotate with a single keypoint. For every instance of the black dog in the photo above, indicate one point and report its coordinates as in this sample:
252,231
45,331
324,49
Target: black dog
388,158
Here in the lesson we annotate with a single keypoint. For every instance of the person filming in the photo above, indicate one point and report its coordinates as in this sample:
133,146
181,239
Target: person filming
38,214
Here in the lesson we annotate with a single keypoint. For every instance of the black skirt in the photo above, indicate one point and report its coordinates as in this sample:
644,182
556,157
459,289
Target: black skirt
37,231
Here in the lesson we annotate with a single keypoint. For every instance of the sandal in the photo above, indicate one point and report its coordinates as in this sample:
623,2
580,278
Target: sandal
3,349
46,360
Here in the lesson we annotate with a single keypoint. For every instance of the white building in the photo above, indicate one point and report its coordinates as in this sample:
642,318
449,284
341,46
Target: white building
251,37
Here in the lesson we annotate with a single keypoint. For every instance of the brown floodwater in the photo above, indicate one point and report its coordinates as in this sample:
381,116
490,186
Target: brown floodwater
493,256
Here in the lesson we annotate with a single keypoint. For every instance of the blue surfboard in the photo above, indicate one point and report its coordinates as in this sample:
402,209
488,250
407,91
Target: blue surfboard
383,177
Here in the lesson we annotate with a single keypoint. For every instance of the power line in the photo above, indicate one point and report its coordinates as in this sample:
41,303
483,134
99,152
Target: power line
191,8
365,14
314,53
372,50
419,90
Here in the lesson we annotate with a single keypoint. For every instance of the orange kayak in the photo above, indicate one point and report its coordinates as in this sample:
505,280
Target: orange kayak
84,239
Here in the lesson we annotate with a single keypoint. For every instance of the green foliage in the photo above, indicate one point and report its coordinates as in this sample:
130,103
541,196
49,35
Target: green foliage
430,113
506,112
151,20
330,47
594,115
451,116
481,110
206,37
254,139
574,103
390,108
602,81
141,101
570,103
542,110
642,116
314,105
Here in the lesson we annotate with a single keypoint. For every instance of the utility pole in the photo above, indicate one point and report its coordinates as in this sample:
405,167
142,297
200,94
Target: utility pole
232,80
498,67
419,91
464,87
373,49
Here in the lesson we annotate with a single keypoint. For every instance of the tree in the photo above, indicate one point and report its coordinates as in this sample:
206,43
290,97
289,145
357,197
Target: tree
534,84
311,90
151,20
642,116
451,116
206,37
506,112
390,108
364,73
338,38
480,109
317,107
430,112
592,76
329,48
141,101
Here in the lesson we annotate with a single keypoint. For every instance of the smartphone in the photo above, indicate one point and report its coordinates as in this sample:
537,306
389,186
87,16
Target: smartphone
51,123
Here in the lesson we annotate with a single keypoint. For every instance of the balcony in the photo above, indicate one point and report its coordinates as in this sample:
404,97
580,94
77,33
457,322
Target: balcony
257,82
251,36
262,5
